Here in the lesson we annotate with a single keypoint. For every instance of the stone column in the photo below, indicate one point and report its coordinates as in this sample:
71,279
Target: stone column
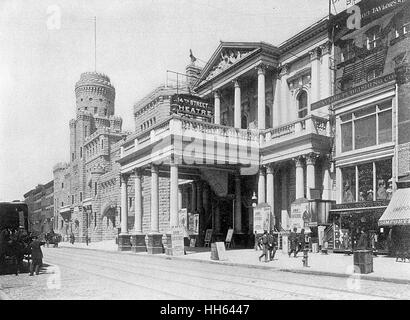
138,238
124,204
315,76
339,185
276,113
217,105
138,203
238,205
327,181
261,186
310,173
124,243
270,183
174,196
261,97
237,105
154,199
326,71
193,197
300,184
285,109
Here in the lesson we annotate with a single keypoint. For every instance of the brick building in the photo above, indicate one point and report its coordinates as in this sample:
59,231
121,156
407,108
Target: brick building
86,189
40,203
370,107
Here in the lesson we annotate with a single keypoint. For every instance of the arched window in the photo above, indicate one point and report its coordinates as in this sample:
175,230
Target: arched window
302,104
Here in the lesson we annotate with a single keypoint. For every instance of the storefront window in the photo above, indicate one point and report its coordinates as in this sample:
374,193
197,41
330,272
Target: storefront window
366,127
349,184
365,133
347,144
366,182
383,175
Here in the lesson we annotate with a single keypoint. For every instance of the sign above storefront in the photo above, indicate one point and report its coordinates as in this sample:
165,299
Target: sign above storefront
371,84
191,106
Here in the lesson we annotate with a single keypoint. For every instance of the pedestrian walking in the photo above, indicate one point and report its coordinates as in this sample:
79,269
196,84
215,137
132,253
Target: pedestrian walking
294,243
257,242
271,245
362,244
265,244
72,238
36,255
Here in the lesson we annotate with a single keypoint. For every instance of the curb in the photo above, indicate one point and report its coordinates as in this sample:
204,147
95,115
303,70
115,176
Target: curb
252,266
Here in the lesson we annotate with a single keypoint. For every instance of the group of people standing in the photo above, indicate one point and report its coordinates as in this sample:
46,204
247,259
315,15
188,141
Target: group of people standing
268,244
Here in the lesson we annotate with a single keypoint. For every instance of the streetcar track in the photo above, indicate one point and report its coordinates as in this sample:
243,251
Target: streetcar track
256,278
133,272
96,258
119,280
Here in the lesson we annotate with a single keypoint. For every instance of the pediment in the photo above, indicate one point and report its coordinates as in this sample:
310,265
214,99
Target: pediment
226,56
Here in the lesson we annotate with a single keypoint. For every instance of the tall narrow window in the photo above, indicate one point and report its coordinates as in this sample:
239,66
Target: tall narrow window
81,152
81,196
95,188
302,104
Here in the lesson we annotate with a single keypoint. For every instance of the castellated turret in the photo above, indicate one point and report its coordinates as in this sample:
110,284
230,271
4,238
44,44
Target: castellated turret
95,94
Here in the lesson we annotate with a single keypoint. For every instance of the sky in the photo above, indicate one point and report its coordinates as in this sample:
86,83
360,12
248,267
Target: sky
46,45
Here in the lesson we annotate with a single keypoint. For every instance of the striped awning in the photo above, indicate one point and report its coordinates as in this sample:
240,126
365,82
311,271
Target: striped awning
398,210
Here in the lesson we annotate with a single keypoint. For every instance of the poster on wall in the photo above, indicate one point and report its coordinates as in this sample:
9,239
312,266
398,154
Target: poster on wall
193,228
301,217
261,218
183,220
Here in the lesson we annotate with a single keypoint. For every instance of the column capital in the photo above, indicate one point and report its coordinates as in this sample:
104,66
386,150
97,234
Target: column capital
262,170
326,48
261,68
311,158
236,83
217,94
299,161
137,172
272,168
154,168
284,69
315,53
124,177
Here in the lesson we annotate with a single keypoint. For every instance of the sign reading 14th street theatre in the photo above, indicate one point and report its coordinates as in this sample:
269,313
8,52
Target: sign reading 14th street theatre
191,105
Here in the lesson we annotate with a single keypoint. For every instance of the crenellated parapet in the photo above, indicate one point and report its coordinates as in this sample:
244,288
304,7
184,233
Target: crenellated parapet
60,166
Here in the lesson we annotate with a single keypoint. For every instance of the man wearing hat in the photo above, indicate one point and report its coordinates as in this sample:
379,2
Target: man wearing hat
36,255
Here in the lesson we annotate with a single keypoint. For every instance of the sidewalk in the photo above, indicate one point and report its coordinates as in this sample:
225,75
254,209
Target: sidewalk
339,265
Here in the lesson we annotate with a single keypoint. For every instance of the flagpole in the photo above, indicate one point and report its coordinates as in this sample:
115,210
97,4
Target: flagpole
95,44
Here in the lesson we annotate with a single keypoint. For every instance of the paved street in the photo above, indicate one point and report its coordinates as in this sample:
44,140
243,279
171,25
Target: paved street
87,274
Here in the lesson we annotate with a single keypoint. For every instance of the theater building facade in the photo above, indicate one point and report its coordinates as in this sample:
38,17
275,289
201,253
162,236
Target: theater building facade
242,126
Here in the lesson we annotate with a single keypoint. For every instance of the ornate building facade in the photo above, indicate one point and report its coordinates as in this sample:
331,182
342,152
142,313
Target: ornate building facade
86,189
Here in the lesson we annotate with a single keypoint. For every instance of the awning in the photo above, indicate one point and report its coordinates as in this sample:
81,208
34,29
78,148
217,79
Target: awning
398,210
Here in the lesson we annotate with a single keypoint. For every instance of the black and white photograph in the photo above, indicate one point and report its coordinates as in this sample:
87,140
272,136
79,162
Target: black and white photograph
215,152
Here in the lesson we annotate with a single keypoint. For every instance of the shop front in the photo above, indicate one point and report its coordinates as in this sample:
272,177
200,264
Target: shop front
349,219
396,219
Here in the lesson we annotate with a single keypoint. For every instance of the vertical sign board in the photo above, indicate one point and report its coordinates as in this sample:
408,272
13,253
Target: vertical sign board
229,235
285,220
177,241
208,235
220,247
183,220
261,218
301,216
21,219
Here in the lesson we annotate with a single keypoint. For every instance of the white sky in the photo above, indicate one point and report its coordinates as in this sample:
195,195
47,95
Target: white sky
137,41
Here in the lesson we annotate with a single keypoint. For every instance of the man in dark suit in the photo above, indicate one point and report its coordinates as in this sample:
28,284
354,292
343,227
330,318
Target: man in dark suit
294,242
265,243
36,255
272,245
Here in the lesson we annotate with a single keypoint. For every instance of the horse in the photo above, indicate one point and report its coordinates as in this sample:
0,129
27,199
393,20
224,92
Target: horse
16,248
